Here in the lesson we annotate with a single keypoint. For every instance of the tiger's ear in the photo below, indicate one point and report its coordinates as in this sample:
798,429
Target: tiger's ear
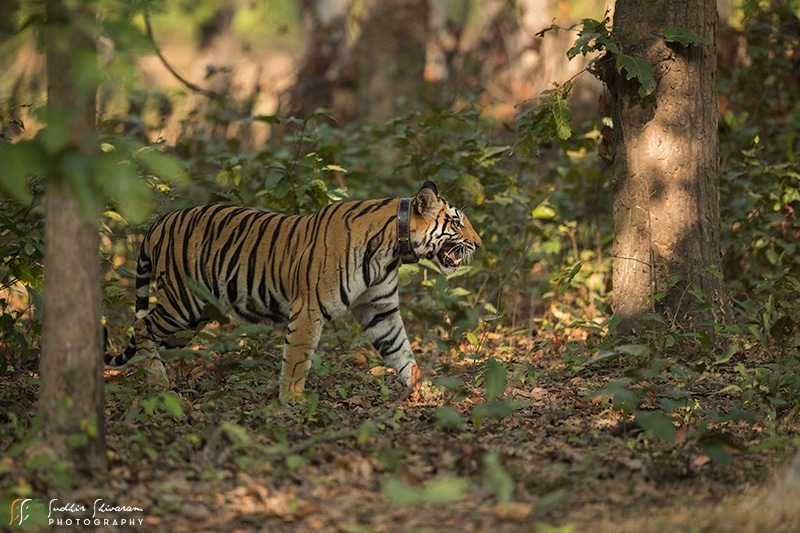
427,202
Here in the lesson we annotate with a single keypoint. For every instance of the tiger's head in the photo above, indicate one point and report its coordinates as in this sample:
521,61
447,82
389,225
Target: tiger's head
439,231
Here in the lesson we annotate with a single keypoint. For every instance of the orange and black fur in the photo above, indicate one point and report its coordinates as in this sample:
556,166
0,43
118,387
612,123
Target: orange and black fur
300,269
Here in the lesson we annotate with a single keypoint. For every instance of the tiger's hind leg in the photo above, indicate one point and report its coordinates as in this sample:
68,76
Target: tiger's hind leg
150,328
150,331
383,326
152,363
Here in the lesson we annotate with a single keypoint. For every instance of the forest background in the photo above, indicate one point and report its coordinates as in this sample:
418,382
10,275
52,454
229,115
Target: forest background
537,417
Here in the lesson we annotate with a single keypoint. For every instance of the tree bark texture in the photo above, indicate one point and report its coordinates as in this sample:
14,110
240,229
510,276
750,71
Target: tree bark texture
71,367
391,55
666,174
327,77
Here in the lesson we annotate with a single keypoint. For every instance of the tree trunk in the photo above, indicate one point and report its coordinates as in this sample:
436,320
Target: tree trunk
391,55
666,175
71,395
327,75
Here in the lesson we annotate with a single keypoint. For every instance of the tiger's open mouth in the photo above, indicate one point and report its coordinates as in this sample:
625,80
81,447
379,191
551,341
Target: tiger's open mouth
451,256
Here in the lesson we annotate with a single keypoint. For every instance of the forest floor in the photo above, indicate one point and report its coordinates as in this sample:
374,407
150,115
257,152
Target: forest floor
226,457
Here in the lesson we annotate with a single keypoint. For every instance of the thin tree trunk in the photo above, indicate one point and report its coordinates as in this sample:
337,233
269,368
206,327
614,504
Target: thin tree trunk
391,56
327,76
666,176
71,396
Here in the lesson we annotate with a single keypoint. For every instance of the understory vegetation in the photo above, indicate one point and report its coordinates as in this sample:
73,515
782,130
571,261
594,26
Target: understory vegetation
534,416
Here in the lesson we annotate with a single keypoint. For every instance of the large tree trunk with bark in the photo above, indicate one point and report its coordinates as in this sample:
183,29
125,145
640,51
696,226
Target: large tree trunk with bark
391,55
666,175
71,396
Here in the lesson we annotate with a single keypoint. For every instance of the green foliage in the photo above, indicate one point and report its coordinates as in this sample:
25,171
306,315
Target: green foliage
495,379
638,69
544,117
45,468
21,275
497,478
439,491
548,116
596,38
772,388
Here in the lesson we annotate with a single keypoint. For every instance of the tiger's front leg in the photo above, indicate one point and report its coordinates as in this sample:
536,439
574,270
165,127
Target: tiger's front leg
384,327
302,336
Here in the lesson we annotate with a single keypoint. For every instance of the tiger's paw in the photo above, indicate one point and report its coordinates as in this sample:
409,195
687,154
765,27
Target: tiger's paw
289,396
292,390
156,372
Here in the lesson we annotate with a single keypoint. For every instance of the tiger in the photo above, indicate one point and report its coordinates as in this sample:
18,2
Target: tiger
304,270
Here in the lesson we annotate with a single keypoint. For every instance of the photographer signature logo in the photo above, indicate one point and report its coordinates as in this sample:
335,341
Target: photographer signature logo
35,510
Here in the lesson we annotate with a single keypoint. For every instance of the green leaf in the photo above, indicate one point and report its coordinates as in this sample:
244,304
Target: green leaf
472,339
490,154
715,450
571,276
613,322
19,161
213,308
497,478
682,35
76,441
639,69
172,404
543,211
704,338
444,490
365,432
56,135
294,461
595,36
714,445
120,181
623,398
472,186
76,169
84,72
398,493
490,410
561,117
237,434
334,168
702,307
439,491
495,379
159,164
89,427
658,424
603,355
634,350
452,383
714,271
726,356
447,417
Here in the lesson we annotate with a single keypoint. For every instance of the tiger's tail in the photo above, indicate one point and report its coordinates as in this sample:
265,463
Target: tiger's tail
144,269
